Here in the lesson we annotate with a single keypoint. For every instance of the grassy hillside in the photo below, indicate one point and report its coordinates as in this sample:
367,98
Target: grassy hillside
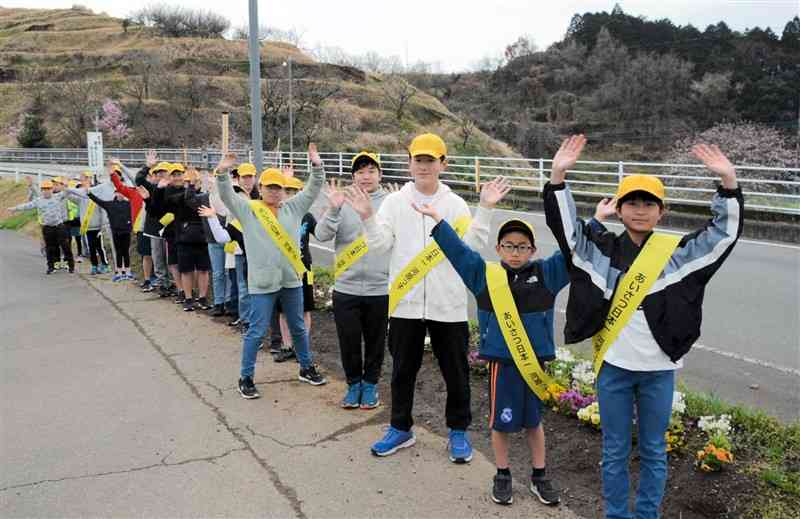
189,81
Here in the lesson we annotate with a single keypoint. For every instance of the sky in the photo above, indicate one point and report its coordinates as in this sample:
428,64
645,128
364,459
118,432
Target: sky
456,34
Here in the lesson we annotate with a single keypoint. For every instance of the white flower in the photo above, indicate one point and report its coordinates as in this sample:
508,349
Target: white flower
712,425
564,354
678,403
583,372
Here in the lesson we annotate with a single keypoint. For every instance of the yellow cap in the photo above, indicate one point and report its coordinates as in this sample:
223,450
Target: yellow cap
161,166
87,174
116,168
191,175
428,144
365,156
46,184
272,177
58,180
176,166
294,183
72,183
246,169
646,183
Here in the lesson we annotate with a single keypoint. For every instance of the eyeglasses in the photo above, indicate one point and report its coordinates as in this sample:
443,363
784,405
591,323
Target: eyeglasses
511,248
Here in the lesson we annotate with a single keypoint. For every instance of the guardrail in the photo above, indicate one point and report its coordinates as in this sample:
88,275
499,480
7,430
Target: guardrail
767,189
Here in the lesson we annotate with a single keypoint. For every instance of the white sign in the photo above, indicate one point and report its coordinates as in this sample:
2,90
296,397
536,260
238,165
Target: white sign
94,146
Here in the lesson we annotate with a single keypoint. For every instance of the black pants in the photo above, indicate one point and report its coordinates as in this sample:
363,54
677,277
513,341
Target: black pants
122,244
56,241
95,240
450,342
357,317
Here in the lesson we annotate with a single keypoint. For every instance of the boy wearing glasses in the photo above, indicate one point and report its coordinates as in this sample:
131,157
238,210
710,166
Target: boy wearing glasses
534,285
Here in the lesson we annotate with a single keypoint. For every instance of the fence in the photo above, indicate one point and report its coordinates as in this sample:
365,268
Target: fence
767,189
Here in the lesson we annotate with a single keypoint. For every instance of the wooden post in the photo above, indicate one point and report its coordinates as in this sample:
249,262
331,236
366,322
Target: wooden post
477,175
225,141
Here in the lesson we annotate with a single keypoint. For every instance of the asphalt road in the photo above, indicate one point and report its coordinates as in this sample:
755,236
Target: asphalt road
749,350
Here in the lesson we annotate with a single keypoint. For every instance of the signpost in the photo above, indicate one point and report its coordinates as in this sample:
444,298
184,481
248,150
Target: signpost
94,147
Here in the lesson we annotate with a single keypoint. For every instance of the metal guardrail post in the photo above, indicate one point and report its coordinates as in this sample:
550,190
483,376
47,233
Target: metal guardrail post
541,174
341,169
620,171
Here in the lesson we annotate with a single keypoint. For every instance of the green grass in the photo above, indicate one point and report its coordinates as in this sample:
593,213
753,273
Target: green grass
18,220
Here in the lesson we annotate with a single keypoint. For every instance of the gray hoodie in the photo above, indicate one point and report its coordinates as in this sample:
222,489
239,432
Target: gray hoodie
268,270
369,276
79,195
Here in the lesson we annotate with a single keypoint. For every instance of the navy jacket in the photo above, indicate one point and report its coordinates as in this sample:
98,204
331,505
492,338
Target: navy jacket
533,286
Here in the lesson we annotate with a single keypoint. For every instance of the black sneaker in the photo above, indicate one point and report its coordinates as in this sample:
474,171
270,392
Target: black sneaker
72,270
202,304
235,322
311,376
218,311
180,298
502,489
274,349
247,389
144,285
284,354
545,491
50,271
188,305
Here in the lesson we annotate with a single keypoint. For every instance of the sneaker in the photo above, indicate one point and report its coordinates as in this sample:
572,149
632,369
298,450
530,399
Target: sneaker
130,277
188,305
393,441
103,269
284,355
72,270
235,322
369,396
459,446
274,349
501,489
50,270
247,389
180,298
311,376
93,272
353,397
116,278
545,491
144,284
202,303
218,311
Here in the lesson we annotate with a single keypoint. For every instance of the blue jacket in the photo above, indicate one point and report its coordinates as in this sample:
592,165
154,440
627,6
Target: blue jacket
533,286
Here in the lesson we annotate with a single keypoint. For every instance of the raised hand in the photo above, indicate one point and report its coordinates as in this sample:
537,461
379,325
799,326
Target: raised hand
336,196
162,183
359,201
605,209
716,162
494,191
206,211
226,162
288,171
313,155
150,158
427,210
143,192
392,187
566,157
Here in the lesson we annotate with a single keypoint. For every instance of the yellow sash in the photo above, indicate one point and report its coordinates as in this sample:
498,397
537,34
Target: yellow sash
282,240
230,247
167,219
139,223
632,290
88,216
418,268
517,340
350,255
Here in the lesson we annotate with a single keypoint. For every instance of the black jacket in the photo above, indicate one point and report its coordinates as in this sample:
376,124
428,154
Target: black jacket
152,226
599,259
119,213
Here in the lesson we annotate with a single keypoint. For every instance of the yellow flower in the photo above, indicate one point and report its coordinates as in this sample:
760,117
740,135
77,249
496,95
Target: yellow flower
595,419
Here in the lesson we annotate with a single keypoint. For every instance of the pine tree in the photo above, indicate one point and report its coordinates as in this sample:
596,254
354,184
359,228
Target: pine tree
33,133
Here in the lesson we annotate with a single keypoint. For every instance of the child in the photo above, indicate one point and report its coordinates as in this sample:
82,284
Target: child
534,285
53,214
655,317
119,216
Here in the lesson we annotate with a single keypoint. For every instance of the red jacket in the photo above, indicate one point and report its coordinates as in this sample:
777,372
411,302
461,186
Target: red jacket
133,197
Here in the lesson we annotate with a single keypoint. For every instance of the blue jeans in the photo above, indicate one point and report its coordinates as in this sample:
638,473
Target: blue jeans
216,252
232,304
244,296
651,391
261,308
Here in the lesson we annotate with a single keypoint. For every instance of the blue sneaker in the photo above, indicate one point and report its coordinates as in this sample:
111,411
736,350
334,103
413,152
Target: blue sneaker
353,397
393,441
459,446
369,396
116,278
94,270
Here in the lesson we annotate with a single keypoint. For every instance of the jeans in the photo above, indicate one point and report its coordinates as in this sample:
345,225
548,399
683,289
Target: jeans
216,253
261,309
618,390
232,305
244,297
159,256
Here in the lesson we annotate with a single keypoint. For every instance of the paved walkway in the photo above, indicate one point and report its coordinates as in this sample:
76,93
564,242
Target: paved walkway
116,405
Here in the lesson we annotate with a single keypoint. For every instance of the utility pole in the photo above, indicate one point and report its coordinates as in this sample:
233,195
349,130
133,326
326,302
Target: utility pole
255,88
291,116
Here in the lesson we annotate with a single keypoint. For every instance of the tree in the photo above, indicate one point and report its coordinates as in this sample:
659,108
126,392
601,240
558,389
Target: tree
180,22
790,38
114,121
73,106
524,46
33,134
397,93
466,128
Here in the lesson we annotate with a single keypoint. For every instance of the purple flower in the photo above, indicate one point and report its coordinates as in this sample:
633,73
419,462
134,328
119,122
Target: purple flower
572,401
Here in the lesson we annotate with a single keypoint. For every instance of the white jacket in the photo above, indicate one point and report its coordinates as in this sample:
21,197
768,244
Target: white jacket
400,230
